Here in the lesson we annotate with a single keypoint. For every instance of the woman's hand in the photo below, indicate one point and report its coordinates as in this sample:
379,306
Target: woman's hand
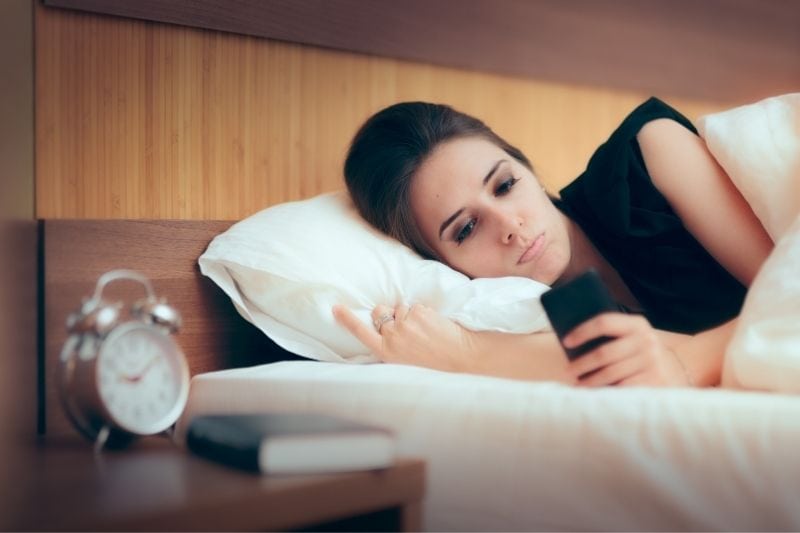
634,356
415,335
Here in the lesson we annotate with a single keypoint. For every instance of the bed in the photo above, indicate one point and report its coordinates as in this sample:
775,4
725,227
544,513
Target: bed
515,456
501,454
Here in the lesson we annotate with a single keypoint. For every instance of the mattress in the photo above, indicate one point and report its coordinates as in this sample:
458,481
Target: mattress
514,455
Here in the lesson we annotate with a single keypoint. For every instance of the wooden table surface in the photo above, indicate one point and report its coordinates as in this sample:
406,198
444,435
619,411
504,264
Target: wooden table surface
155,485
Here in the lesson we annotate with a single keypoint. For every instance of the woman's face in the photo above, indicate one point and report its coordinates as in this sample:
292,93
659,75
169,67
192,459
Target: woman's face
486,215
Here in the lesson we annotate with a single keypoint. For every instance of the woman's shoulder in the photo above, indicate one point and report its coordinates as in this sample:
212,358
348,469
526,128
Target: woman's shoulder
651,109
616,179
619,157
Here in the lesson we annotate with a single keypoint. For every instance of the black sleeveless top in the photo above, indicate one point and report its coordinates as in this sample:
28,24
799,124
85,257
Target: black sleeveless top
679,285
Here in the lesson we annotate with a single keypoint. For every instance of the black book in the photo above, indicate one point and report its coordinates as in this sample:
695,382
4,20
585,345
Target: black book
284,443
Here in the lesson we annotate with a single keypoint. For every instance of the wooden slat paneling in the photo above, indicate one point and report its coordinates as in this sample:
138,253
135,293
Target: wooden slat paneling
144,120
697,49
18,353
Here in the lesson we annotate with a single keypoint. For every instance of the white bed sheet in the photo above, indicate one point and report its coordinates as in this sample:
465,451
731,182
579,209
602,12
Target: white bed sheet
512,455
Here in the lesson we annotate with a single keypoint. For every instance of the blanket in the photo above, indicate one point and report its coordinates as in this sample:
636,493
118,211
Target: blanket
758,145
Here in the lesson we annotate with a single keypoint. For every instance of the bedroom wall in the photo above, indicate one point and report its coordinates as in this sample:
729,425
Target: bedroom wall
680,47
18,243
139,119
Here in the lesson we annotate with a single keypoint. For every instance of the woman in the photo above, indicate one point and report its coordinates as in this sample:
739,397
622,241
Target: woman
653,213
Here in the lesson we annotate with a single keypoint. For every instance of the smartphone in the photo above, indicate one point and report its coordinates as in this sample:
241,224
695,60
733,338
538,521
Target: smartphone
575,302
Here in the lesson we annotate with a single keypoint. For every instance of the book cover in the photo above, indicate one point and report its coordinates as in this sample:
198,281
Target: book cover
290,443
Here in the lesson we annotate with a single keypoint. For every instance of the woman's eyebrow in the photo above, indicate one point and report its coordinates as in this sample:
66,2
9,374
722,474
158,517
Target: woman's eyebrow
486,179
493,170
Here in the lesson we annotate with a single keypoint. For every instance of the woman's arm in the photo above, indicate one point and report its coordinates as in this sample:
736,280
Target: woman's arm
539,356
704,197
703,354
420,336
535,357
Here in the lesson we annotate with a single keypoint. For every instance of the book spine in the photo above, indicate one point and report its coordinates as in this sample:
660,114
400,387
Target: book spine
210,446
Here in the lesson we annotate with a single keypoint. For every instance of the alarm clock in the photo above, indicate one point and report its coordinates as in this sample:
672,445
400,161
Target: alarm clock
121,375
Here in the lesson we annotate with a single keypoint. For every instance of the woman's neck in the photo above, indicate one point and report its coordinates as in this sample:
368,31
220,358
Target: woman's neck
584,255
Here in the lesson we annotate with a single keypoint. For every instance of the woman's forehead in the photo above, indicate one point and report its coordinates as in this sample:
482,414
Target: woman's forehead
464,160
450,179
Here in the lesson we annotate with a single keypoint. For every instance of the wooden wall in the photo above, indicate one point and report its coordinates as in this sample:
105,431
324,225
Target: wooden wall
697,49
18,239
138,119
16,109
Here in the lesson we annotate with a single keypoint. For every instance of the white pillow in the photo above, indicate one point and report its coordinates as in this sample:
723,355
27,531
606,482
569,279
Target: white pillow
286,266
758,145
764,353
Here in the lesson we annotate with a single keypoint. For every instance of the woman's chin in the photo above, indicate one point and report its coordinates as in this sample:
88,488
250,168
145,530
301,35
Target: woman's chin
548,272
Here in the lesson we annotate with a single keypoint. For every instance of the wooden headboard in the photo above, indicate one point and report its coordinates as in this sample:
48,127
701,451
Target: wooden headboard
74,253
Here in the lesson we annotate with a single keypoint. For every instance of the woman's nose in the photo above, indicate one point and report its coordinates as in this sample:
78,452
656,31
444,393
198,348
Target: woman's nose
509,228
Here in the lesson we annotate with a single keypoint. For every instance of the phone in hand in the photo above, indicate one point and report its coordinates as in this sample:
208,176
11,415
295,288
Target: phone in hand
575,302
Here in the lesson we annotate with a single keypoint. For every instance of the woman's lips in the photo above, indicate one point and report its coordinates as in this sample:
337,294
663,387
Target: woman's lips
533,251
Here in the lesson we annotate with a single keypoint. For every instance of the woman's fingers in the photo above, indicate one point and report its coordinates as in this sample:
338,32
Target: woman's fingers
614,373
415,335
637,380
635,356
401,312
366,334
606,354
383,319
382,312
387,319
605,324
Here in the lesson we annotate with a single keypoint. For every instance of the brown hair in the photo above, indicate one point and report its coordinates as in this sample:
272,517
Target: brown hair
386,153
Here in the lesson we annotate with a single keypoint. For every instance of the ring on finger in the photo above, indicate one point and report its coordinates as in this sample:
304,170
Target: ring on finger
381,320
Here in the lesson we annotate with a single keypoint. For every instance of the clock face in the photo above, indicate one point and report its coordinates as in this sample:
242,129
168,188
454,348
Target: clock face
142,379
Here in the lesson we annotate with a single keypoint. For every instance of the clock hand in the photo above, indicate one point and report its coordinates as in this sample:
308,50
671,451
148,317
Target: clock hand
138,377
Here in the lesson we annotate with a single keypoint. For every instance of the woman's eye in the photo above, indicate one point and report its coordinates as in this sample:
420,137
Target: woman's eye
505,186
465,231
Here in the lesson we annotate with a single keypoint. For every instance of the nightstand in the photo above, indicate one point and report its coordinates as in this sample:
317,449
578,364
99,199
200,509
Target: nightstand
155,485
